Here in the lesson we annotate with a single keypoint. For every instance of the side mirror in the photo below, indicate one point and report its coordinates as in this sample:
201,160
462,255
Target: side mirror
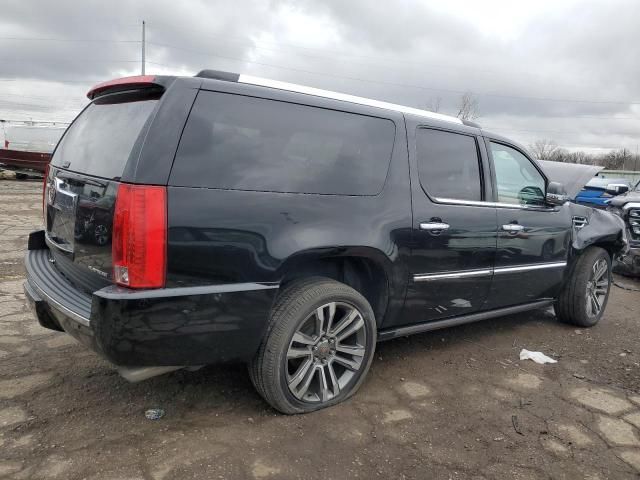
617,188
531,196
556,194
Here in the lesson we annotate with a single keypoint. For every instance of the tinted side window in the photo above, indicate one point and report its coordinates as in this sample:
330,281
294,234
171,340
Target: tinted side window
518,181
448,164
245,143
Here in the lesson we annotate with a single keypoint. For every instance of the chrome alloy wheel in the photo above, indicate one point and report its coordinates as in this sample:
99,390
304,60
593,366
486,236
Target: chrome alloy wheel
325,352
597,287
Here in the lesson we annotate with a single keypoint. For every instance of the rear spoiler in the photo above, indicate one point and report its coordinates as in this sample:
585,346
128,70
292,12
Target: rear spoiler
130,83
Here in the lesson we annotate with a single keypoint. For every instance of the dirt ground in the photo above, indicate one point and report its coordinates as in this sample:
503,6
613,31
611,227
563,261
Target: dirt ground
453,404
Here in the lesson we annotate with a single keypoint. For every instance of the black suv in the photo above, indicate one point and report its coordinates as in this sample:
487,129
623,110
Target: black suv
224,217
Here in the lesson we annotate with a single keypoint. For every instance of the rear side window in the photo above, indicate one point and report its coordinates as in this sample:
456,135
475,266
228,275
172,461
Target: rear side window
101,139
448,164
245,143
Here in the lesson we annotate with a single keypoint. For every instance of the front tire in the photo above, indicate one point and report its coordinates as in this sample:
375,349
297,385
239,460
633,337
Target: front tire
584,297
318,348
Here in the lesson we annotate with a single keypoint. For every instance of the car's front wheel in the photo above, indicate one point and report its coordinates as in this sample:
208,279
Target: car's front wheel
584,297
318,349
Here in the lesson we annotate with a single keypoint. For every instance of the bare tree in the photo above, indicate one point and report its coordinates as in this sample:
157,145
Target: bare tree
468,107
544,149
615,159
433,105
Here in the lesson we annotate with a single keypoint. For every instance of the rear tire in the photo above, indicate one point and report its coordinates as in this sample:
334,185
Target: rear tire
585,295
318,348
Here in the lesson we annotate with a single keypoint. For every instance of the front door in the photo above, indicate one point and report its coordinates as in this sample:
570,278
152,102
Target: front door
454,229
533,237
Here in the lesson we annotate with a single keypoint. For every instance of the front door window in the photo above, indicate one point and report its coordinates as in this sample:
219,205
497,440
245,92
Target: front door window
518,181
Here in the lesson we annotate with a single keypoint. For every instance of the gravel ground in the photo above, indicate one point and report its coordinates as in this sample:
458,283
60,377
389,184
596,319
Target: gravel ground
454,404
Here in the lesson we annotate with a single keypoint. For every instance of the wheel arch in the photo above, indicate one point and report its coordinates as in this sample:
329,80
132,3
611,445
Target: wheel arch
367,270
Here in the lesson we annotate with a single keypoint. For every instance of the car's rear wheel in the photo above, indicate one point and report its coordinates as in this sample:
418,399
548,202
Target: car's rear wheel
584,297
318,348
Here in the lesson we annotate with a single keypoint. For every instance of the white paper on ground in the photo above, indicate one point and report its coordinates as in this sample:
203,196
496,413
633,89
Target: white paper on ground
537,357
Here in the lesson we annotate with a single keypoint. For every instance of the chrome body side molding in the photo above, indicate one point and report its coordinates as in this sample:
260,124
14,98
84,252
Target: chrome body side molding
429,277
526,268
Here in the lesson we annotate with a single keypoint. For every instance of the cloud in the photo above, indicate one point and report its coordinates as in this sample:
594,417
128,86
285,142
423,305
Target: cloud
561,70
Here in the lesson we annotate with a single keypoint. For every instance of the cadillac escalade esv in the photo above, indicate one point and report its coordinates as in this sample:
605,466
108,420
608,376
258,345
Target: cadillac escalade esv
224,217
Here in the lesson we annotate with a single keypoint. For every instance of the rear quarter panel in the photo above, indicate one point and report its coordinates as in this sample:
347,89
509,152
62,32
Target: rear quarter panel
225,236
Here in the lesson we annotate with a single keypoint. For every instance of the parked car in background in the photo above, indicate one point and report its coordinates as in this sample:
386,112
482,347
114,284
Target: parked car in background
627,206
291,228
25,147
598,191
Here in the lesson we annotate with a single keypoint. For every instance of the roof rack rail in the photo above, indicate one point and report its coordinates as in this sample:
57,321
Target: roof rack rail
292,87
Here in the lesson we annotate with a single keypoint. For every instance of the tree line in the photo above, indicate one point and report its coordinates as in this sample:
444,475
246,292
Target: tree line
621,159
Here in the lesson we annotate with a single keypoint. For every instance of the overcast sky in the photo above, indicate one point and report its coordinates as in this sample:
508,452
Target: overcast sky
564,70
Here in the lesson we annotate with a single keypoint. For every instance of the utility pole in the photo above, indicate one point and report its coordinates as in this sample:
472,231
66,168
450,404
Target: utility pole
635,164
143,32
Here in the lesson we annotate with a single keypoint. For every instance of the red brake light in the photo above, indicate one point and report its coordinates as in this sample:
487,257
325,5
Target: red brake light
125,82
139,243
44,195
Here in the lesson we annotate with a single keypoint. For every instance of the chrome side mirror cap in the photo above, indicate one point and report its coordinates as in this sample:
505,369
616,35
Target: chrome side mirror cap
617,188
556,194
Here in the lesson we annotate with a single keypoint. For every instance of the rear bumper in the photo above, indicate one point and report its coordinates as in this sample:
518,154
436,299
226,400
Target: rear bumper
171,326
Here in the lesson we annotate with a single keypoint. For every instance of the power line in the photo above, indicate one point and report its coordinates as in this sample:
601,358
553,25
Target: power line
162,64
404,85
85,60
378,61
557,132
52,122
50,81
86,40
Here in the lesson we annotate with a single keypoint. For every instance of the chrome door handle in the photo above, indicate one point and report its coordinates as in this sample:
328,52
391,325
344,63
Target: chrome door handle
434,226
512,228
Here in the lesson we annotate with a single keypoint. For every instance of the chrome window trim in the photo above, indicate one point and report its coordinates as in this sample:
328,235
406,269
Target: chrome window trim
429,277
292,87
477,203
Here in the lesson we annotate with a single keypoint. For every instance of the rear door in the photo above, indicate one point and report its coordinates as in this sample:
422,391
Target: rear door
533,238
454,229
83,180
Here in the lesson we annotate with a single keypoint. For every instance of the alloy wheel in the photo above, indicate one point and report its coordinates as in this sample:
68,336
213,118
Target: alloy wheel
326,352
597,287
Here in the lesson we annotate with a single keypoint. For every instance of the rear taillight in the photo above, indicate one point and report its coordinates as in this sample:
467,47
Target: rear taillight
44,195
139,243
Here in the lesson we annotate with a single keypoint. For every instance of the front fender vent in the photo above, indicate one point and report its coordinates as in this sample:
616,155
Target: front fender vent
579,222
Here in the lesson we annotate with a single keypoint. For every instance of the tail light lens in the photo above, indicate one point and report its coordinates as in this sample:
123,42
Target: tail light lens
44,195
139,243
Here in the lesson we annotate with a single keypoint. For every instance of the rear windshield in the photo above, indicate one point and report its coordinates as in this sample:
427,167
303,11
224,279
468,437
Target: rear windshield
101,139
246,143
